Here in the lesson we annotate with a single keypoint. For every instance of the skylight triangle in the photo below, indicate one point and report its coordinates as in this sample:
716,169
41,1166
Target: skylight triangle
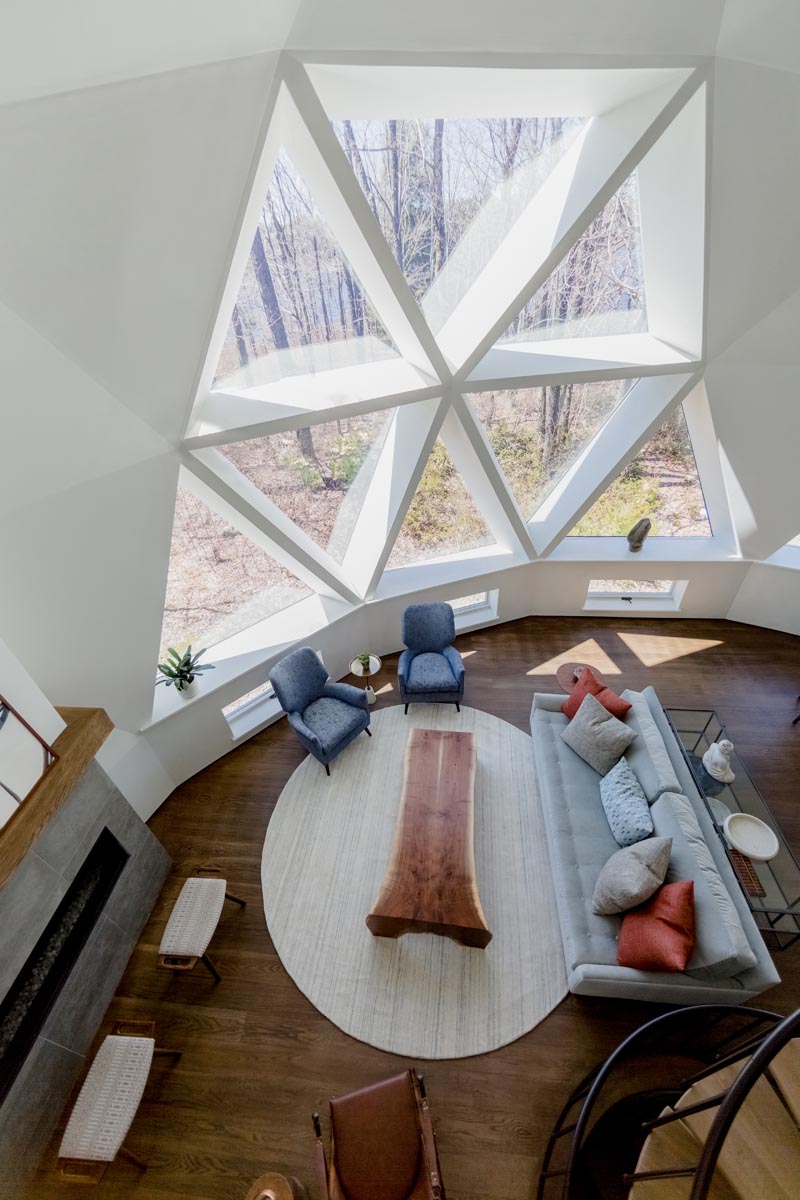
219,581
442,518
318,475
598,288
300,308
662,482
445,191
537,434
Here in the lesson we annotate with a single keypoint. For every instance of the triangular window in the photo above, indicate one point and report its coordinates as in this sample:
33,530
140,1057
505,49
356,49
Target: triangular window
319,475
537,434
446,191
661,482
598,287
219,581
300,308
442,518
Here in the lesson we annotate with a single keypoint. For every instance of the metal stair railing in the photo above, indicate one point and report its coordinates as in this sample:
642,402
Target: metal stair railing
669,1032
735,1097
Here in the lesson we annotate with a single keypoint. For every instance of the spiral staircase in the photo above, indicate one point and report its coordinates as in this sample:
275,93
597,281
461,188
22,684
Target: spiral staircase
702,1102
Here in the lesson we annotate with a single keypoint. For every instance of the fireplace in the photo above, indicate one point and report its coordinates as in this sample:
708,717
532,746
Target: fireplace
36,988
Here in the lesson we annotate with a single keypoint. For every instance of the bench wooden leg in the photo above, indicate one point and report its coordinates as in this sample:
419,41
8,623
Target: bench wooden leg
162,1052
236,900
126,1155
208,963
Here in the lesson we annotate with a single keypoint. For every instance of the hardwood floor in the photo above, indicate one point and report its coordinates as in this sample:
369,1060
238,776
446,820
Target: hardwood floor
258,1057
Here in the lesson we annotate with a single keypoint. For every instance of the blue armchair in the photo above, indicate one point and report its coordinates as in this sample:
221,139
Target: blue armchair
325,716
430,670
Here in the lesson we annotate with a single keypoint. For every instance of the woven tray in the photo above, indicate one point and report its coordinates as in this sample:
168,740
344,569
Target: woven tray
747,874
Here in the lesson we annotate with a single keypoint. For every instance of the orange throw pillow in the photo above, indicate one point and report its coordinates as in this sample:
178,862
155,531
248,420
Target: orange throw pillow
588,684
659,934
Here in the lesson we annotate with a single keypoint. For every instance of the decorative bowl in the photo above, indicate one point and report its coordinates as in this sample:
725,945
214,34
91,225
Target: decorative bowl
751,836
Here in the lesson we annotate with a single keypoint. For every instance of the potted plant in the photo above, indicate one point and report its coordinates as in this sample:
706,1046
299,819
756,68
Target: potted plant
364,660
181,669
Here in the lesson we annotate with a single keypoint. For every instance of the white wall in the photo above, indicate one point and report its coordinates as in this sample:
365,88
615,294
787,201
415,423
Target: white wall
770,596
23,694
198,733
116,235
753,389
533,26
754,216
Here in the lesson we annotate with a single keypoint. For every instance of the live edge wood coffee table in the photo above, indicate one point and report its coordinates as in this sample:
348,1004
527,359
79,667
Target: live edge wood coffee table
430,884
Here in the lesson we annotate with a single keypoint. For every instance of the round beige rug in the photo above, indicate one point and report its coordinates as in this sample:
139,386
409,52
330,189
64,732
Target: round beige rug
325,854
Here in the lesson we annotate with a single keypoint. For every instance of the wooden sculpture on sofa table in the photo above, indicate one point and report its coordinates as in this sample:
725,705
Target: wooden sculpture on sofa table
382,1144
430,671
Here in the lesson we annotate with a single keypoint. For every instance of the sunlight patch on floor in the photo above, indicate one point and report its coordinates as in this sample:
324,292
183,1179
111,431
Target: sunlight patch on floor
585,652
387,687
654,651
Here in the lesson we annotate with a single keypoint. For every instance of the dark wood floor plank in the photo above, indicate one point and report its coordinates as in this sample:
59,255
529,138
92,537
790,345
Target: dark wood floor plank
258,1057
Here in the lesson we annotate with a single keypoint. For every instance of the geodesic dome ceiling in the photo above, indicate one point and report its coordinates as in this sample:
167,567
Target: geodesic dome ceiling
391,321
462,319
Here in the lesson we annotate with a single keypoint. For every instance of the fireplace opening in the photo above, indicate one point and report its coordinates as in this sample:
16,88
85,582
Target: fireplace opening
36,988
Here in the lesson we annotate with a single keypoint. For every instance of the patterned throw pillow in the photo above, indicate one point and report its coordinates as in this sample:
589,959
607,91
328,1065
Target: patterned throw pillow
631,876
588,684
625,805
600,739
659,936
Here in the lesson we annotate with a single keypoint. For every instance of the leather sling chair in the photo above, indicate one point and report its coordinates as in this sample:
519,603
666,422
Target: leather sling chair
382,1144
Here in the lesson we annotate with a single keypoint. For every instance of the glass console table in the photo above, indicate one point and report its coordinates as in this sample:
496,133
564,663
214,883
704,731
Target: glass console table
771,889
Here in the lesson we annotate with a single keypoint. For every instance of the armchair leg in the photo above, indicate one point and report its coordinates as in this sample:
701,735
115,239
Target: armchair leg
367,732
327,770
458,707
406,710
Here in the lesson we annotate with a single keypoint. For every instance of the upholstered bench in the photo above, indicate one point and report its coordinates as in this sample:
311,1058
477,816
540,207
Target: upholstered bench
193,922
107,1102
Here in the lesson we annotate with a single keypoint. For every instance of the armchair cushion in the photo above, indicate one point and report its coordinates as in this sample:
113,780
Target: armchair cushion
431,672
428,627
376,1141
298,679
331,720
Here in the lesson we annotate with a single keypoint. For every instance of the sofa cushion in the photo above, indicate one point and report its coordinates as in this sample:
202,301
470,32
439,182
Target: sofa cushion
631,876
331,720
431,672
598,737
721,948
625,805
659,934
579,841
648,756
589,685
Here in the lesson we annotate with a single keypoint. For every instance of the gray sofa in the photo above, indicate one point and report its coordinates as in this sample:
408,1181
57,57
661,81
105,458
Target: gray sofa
731,964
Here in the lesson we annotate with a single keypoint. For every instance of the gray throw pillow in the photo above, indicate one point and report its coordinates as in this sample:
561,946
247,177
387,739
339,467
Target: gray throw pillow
598,737
625,805
631,876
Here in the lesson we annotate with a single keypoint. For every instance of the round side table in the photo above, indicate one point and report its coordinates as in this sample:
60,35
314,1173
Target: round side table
277,1187
567,675
357,668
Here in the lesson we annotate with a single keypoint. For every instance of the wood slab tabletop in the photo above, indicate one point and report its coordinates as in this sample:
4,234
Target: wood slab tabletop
430,884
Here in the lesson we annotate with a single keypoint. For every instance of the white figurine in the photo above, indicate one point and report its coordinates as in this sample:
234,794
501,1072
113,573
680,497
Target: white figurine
717,761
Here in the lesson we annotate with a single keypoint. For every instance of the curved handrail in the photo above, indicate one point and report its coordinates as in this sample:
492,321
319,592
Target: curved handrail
735,1097
674,1017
